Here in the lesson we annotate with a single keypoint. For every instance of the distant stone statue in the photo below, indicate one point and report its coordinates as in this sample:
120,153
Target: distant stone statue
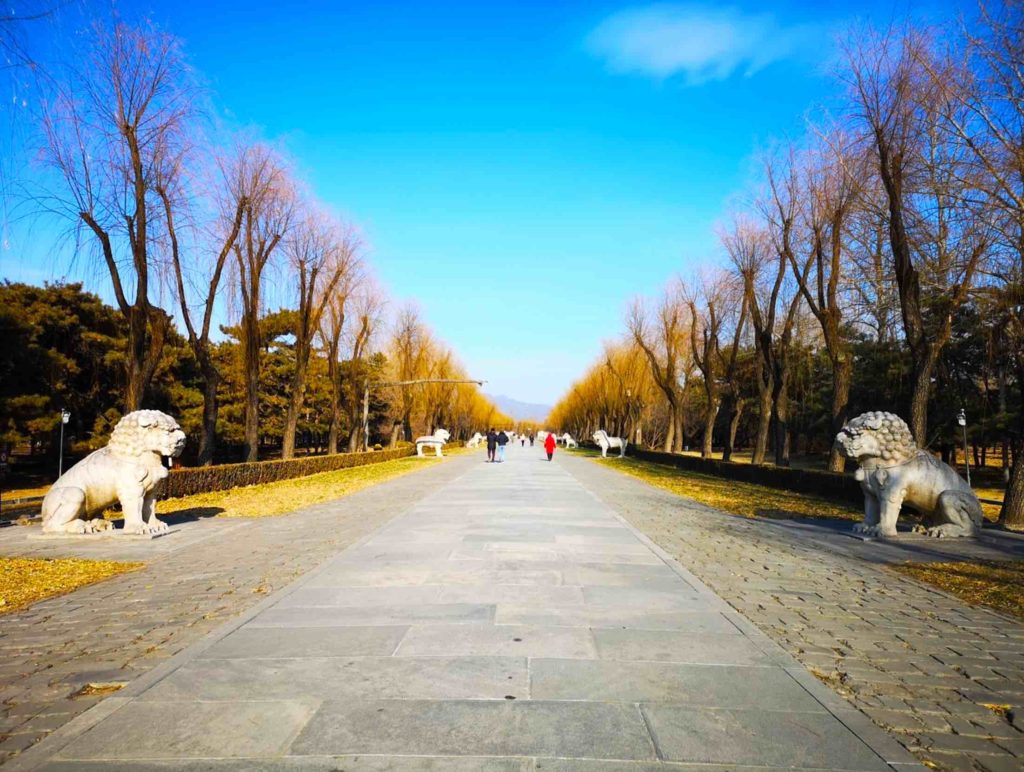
894,471
605,442
435,441
128,470
568,441
475,440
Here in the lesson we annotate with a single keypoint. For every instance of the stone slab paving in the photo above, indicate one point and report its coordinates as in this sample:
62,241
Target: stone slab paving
206,571
946,679
509,620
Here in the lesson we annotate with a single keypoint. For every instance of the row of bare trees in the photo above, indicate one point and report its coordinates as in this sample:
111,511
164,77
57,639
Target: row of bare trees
898,223
190,222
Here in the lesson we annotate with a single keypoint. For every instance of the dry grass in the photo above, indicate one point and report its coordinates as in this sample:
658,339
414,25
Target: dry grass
24,581
991,511
285,496
996,584
738,498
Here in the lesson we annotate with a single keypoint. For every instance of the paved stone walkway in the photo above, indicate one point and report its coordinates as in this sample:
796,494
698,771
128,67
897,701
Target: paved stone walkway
944,678
204,573
508,620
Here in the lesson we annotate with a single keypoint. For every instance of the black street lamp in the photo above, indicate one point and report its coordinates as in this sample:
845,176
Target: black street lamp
961,419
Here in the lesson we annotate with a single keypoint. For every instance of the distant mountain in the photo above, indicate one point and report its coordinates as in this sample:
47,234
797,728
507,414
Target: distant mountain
521,411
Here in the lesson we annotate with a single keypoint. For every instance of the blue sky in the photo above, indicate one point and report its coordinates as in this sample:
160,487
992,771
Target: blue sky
522,169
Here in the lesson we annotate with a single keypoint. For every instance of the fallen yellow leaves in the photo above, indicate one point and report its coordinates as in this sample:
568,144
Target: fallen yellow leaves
285,496
995,584
24,581
738,498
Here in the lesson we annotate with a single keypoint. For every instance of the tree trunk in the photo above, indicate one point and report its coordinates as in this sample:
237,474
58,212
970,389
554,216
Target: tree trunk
921,388
780,411
764,419
671,432
147,332
208,441
709,428
735,413
396,428
842,375
295,400
1012,512
251,365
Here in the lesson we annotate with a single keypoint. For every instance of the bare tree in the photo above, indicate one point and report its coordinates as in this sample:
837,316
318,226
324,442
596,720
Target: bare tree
321,255
707,317
258,176
410,355
780,212
933,241
834,176
214,255
989,92
113,128
662,340
335,323
369,308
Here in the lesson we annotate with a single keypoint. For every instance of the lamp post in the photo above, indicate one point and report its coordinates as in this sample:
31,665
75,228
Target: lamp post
366,397
961,418
65,416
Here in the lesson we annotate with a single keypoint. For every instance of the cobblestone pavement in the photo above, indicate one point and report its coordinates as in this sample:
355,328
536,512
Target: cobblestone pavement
212,570
944,678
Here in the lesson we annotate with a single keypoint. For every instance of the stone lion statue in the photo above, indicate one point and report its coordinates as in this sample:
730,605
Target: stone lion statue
128,470
894,471
435,441
605,442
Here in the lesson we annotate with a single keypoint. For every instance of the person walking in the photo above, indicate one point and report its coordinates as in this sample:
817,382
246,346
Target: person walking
492,444
502,440
531,440
549,445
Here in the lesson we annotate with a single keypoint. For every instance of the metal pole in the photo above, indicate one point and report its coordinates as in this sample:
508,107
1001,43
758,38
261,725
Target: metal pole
961,419
967,459
366,416
60,456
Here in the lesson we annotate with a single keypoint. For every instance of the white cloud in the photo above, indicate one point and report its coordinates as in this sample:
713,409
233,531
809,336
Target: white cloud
699,43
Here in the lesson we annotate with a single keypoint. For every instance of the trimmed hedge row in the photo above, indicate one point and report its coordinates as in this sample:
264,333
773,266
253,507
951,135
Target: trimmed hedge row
187,481
819,483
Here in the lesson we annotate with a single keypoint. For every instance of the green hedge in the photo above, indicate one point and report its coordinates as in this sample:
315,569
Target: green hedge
187,481
819,483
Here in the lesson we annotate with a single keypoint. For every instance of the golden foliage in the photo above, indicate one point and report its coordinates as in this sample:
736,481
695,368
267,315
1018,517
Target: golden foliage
991,583
737,498
24,581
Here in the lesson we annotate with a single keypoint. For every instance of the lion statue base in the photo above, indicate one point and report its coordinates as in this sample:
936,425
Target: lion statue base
435,441
128,470
894,472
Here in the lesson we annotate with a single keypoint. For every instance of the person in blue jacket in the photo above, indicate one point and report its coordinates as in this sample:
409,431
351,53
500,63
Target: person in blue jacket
502,442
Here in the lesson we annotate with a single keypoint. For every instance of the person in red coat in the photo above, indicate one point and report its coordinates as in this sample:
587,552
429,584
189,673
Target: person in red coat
549,445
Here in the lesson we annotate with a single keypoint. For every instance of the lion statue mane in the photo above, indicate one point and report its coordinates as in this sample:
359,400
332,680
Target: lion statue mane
129,469
895,472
